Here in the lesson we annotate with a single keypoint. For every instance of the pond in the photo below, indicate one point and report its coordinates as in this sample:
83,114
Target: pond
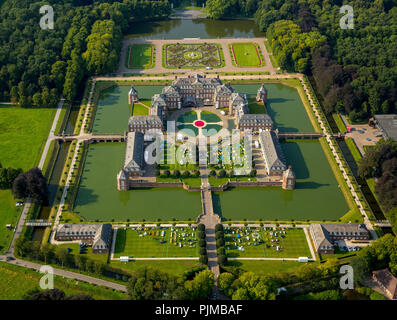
316,196
199,28
98,197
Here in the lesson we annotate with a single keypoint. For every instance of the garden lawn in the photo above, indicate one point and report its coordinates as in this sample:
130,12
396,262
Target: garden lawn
147,243
265,267
140,56
209,116
246,55
16,281
255,107
293,245
174,267
140,110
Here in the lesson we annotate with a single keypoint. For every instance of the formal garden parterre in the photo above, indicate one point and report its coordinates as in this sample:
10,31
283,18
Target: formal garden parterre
183,55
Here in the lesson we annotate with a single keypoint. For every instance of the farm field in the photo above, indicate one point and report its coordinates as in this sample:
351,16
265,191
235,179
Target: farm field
16,281
316,196
140,56
260,243
246,55
98,197
23,132
156,242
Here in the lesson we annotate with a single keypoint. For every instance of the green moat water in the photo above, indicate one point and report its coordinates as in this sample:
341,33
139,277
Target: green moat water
199,28
98,197
284,106
316,196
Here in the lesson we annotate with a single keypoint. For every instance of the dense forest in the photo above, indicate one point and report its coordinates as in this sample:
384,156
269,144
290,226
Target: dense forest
380,163
37,66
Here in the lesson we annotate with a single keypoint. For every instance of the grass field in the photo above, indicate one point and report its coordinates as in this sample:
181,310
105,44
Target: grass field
255,107
265,267
174,267
149,242
293,243
140,56
23,132
353,149
140,110
208,116
16,281
339,122
246,55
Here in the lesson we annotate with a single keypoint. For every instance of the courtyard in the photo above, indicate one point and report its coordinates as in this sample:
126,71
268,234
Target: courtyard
156,242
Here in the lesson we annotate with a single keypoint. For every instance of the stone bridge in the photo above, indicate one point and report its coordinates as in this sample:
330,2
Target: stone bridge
91,138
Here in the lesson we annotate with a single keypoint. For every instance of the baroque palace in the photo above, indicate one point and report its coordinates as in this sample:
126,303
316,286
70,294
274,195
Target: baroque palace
198,91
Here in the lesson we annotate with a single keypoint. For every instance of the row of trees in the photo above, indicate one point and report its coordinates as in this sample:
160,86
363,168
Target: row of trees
153,284
7,176
380,162
36,65
218,9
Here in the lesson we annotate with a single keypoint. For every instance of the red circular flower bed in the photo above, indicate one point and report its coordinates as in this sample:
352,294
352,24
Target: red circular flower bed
199,123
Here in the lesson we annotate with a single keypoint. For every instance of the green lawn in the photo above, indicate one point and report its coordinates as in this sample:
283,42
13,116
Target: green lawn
255,107
187,117
293,243
174,267
75,249
209,116
140,56
339,122
265,267
175,242
353,149
246,55
16,281
23,132
140,110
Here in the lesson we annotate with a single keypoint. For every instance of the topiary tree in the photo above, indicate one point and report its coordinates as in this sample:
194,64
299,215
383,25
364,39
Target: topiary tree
219,235
201,227
222,260
202,243
212,173
201,234
222,173
220,243
167,173
219,227
177,174
221,251
203,259
202,251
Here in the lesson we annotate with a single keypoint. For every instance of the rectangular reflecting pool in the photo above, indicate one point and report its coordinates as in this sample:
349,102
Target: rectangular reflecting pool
98,197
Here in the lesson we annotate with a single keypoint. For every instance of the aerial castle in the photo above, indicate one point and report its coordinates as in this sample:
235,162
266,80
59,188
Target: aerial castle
198,91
